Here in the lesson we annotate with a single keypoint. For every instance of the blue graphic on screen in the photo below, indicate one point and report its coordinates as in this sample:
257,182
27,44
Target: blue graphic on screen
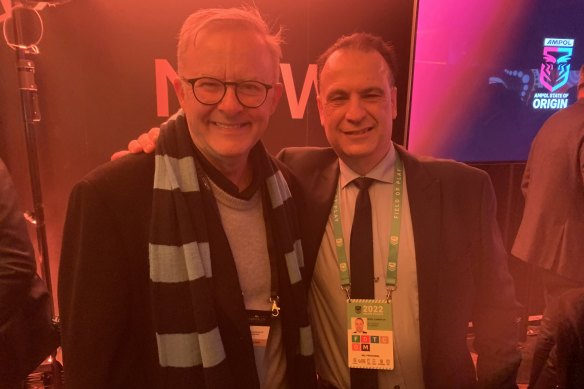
536,78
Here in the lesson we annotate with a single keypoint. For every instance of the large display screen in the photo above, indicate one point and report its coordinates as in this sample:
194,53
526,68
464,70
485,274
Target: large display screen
488,74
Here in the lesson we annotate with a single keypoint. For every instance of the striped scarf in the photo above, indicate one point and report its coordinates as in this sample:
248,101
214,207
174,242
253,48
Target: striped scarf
190,347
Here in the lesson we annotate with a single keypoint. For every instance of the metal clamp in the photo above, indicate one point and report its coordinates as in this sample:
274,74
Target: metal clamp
347,290
275,307
390,290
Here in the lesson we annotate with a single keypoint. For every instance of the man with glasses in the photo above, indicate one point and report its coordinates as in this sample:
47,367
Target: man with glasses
183,269
210,91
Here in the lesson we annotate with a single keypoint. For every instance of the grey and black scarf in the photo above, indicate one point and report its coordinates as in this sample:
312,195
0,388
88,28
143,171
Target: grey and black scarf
191,350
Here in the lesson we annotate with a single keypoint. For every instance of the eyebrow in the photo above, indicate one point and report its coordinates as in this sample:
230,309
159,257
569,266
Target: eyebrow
372,89
337,91
340,91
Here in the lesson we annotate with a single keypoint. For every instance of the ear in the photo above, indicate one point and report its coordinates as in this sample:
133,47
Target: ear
393,102
277,90
179,90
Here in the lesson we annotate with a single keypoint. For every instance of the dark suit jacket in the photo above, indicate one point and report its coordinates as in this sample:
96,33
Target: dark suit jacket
461,262
552,229
108,336
17,264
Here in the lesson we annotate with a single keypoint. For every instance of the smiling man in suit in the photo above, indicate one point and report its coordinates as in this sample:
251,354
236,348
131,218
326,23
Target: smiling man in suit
451,265
182,269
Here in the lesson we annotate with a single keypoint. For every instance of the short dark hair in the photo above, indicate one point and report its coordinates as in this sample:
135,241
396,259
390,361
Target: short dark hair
364,42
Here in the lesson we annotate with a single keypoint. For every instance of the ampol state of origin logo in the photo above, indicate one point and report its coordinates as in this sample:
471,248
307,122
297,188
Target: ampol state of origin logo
555,68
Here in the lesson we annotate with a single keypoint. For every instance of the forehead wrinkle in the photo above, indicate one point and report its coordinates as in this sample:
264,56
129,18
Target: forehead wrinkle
229,61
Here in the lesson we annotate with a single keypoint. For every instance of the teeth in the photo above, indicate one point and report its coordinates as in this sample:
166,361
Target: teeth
227,125
358,132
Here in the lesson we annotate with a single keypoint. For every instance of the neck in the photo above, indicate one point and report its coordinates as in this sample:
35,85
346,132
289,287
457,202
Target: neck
239,172
363,166
238,169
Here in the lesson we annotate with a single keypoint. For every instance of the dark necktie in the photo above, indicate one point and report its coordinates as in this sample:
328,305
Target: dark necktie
361,254
361,257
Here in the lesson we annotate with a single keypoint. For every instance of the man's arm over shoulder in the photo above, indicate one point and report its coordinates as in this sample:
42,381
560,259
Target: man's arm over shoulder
17,264
495,307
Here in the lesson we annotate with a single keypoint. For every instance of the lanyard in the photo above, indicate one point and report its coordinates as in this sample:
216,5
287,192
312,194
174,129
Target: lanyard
396,209
274,284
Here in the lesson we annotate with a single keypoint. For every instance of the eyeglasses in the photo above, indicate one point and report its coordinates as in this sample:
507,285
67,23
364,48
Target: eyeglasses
210,91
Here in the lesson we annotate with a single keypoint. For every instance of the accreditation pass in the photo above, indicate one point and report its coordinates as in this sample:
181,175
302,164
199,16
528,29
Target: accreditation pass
370,334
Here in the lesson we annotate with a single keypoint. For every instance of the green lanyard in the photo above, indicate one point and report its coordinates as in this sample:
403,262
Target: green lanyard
396,208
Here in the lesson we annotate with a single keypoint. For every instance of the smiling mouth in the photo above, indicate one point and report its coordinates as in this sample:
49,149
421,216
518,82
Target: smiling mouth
229,125
358,132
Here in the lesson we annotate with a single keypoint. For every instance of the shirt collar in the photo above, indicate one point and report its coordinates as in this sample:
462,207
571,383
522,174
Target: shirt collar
382,172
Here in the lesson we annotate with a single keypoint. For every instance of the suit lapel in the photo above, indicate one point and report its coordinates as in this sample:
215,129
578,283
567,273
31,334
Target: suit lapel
424,196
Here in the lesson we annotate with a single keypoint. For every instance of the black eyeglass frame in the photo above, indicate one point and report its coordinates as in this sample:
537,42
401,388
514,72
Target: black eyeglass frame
236,85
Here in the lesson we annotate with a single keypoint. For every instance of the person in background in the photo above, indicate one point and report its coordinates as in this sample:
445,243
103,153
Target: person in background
563,368
28,334
551,232
183,269
17,270
17,263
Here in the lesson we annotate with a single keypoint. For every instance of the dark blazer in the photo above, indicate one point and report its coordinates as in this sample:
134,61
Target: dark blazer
107,326
552,229
17,264
461,262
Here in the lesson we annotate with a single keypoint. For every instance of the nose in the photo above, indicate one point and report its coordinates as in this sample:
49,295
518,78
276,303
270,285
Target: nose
229,104
355,110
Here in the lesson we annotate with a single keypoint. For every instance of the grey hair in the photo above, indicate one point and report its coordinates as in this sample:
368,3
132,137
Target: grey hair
246,16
